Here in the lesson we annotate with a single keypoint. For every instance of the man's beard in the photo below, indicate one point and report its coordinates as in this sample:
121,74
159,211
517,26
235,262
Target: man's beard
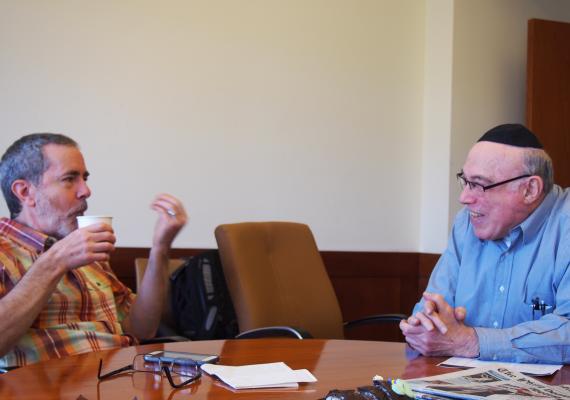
55,222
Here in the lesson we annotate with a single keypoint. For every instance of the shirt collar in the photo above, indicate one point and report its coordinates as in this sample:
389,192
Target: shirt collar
25,236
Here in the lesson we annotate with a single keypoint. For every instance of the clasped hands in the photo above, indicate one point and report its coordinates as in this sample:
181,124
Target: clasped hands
439,330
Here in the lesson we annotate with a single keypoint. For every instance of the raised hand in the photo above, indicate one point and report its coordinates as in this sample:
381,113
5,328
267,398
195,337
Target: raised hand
171,219
144,317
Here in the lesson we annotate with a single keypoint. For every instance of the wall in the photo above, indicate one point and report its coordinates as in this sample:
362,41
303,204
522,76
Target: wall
436,136
250,110
348,116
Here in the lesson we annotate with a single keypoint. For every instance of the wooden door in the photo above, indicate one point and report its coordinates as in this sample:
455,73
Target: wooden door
548,91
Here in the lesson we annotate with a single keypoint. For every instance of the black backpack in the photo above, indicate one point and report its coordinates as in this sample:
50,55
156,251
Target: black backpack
201,304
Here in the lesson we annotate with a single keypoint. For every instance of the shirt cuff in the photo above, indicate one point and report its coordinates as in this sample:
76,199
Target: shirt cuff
494,344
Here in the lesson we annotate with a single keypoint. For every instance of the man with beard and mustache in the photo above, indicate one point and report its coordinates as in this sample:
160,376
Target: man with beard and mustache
501,289
58,295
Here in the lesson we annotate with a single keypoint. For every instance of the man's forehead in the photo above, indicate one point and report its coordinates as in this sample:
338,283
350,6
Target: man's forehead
62,158
488,159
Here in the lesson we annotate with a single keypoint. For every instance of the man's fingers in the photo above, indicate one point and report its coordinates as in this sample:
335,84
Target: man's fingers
425,321
460,313
429,307
416,344
434,306
435,298
169,206
442,307
408,329
439,324
107,237
102,247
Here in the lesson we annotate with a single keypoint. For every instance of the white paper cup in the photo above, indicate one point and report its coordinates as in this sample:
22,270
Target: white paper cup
86,220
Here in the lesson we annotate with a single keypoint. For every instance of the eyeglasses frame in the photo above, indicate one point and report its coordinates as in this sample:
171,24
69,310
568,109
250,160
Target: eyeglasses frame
164,368
472,185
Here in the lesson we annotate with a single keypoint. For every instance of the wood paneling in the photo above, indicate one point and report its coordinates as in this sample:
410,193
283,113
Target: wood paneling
366,283
548,91
426,264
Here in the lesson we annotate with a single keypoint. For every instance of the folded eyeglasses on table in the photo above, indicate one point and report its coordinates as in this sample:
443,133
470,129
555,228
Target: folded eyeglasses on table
179,372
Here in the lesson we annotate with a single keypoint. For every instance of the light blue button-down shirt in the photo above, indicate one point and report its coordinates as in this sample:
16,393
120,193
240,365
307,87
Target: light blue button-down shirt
496,281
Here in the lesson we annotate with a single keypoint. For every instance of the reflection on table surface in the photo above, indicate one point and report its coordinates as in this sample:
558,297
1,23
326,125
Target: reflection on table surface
337,364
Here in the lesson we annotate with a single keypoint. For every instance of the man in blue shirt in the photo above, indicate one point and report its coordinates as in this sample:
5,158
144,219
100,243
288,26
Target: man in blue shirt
501,289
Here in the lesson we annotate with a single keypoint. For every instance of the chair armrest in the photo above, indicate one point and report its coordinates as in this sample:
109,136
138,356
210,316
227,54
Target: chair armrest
275,331
375,319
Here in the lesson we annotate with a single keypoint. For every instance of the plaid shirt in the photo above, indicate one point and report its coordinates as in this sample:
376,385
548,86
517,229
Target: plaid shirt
83,314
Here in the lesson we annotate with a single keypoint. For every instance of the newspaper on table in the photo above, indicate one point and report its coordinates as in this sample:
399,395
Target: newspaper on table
486,383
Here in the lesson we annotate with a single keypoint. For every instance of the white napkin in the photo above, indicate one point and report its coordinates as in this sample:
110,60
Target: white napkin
271,375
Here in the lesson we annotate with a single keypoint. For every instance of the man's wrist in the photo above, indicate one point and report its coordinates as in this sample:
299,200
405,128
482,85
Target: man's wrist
50,263
161,245
160,250
472,344
159,256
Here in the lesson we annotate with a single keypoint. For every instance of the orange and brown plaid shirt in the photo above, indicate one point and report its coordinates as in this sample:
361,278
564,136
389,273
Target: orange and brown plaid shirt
83,314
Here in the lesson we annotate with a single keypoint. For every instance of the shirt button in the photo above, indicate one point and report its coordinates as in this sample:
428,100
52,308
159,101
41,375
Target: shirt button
502,289
495,324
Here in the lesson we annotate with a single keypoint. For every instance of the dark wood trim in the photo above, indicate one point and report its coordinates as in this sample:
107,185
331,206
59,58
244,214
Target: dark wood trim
366,283
123,261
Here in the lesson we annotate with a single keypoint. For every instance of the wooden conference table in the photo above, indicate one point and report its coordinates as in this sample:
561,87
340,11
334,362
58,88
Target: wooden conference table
337,364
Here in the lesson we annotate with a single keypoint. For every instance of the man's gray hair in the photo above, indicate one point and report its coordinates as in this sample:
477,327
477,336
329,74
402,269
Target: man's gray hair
24,159
538,162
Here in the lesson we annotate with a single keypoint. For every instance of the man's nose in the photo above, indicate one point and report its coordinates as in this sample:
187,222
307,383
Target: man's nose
466,196
84,191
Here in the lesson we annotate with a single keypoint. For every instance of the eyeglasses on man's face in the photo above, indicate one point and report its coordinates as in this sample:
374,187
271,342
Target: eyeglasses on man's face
477,187
180,372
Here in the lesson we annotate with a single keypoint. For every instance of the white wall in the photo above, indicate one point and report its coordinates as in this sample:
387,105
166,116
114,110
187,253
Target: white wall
351,116
306,110
436,145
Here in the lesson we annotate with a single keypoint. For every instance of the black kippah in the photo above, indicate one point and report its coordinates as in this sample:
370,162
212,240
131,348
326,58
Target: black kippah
513,135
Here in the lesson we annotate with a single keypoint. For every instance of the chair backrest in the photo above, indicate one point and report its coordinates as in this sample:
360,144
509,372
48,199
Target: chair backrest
276,276
173,264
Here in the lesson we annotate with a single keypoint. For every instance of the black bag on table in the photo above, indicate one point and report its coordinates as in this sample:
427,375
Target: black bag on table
201,304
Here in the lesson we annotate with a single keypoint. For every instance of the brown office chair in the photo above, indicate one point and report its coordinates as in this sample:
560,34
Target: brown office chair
166,330
276,276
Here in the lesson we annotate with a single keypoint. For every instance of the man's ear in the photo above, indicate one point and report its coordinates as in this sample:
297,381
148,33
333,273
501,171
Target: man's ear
533,189
25,192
